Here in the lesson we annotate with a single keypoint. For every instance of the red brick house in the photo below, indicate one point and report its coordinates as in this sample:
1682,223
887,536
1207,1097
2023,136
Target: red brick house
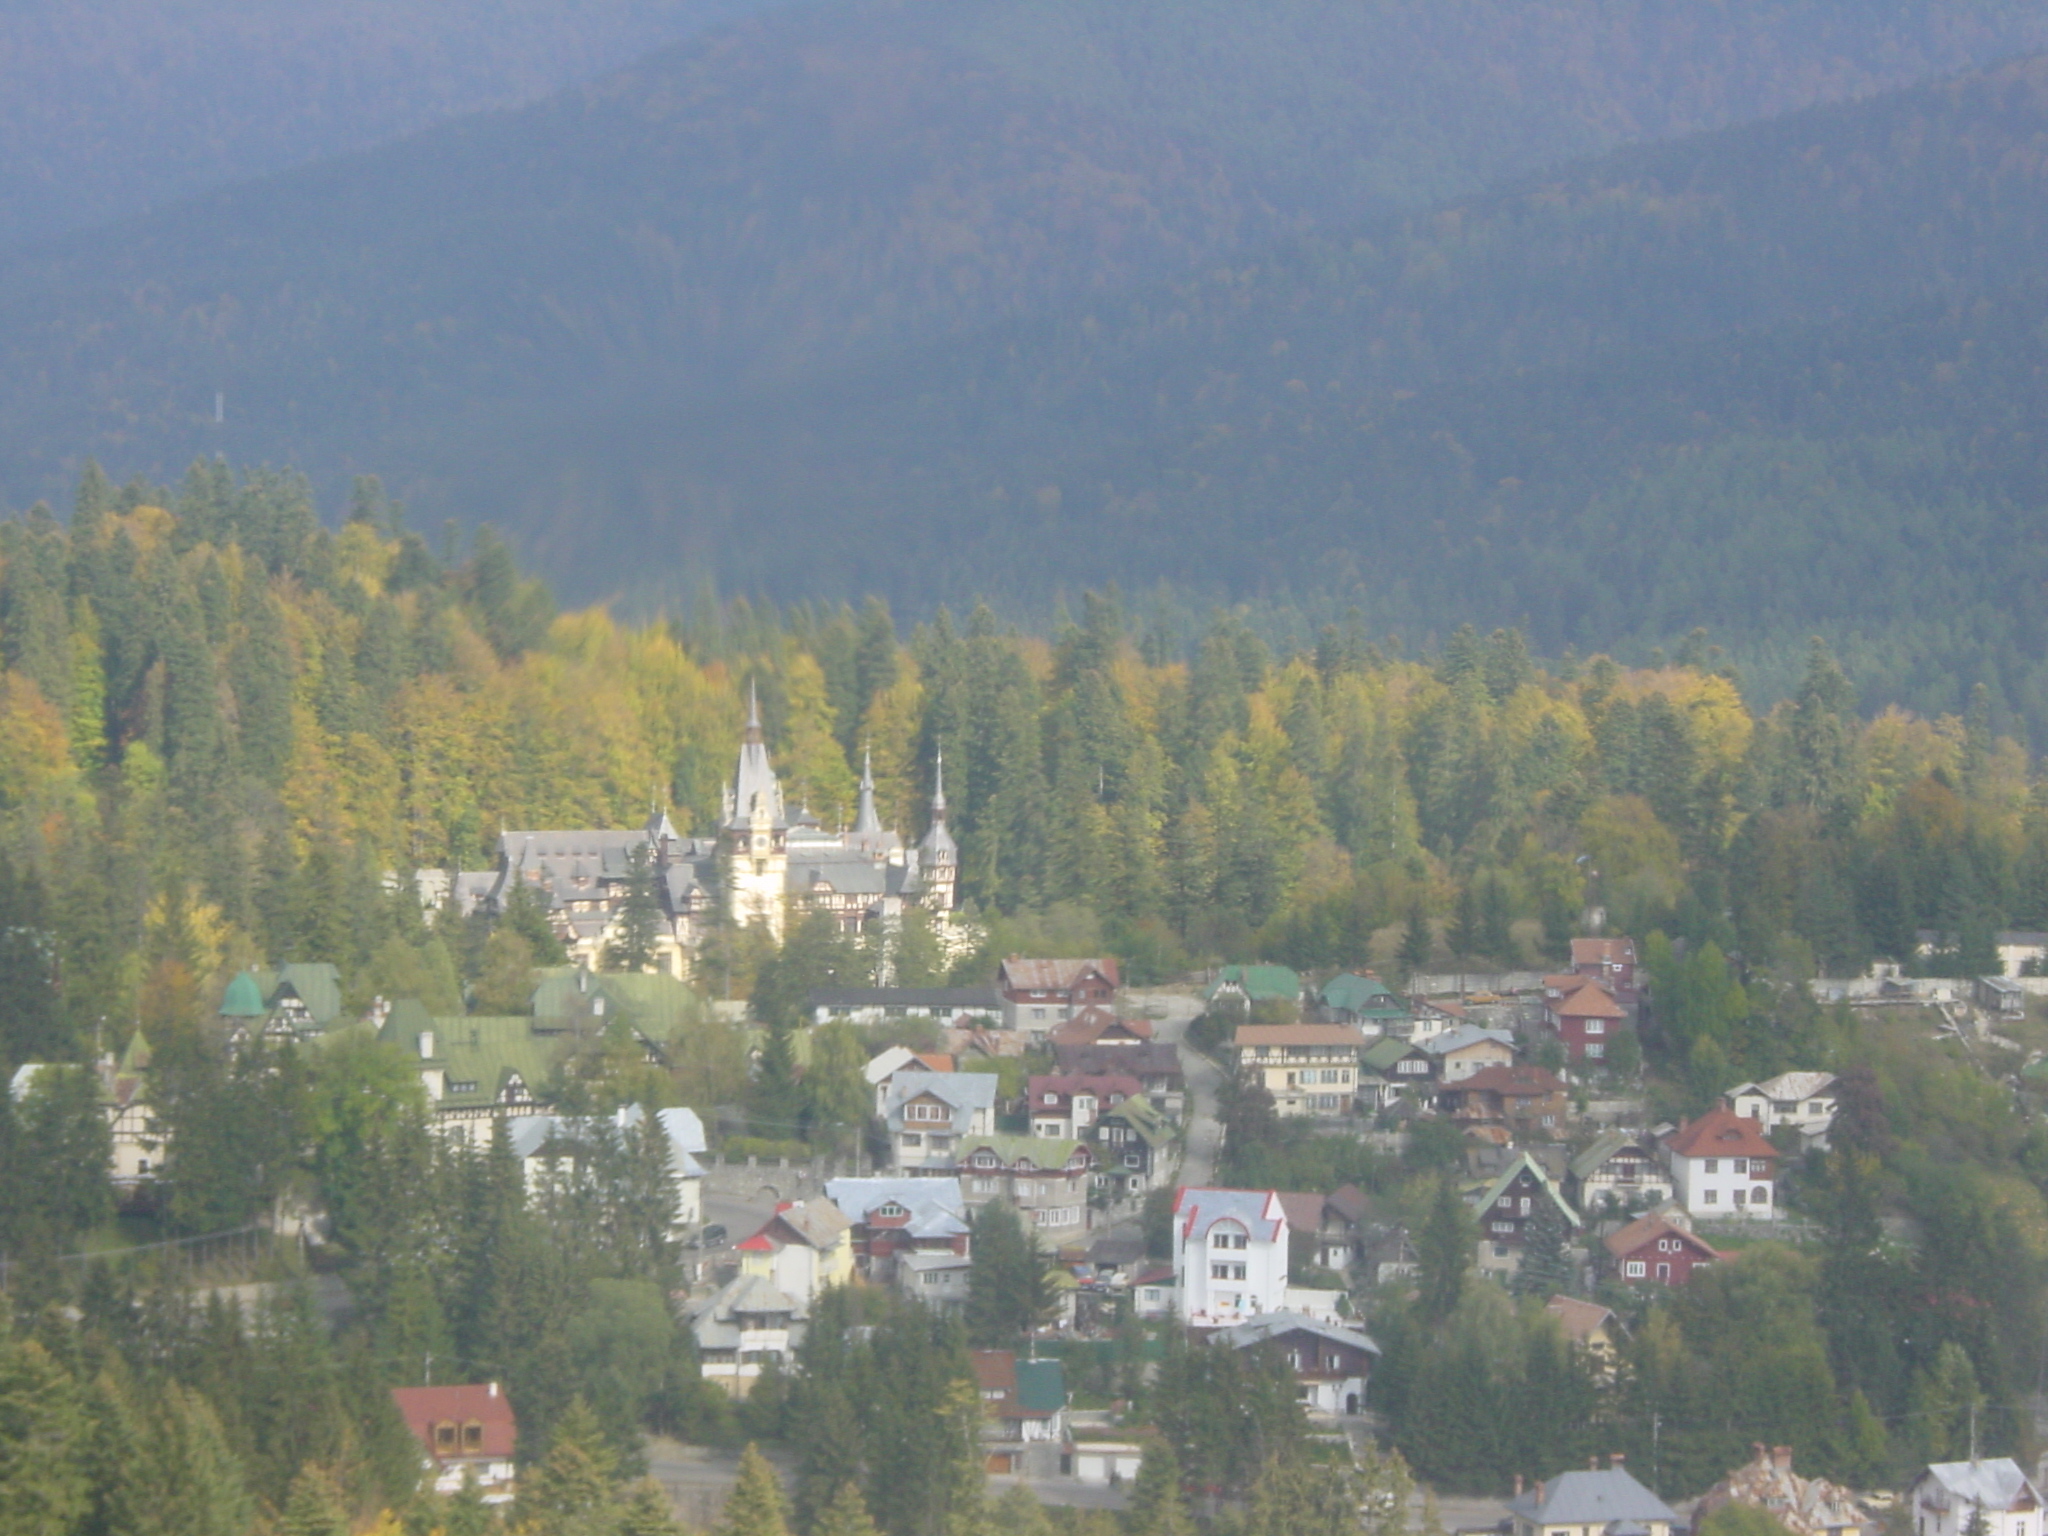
1611,962
465,1431
1586,1017
1654,1248
1041,995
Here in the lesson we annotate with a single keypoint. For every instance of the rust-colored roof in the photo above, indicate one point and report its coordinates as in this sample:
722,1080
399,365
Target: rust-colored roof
1054,975
934,1061
1721,1133
1523,1078
995,1370
1579,1319
1304,1211
1646,1229
1603,951
1298,1034
1095,1023
1589,1001
1065,1085
483,1404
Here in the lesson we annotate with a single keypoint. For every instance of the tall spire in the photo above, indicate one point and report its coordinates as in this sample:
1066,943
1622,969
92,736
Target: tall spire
753,782
753,732
937,846
939,787
865,819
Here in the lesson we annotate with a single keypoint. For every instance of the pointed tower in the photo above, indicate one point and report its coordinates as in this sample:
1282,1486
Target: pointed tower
866,821
938,857
755,832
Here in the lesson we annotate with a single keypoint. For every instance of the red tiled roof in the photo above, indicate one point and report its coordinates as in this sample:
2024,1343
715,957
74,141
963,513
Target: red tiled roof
1054,975
1603,951
1721,1133
1646,1229
1522,1078
483,1404
1589,1001
995,1370
1298,1034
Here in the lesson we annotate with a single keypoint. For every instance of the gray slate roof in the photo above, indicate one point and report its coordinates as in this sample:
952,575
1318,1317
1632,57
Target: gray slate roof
1996,1483
1273,1325
1592,1498
965,1092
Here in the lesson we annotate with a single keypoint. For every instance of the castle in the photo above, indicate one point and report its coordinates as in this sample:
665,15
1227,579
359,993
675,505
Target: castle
761,866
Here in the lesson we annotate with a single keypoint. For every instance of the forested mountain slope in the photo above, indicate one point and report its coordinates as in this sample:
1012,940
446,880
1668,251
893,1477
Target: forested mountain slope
121,105
836,182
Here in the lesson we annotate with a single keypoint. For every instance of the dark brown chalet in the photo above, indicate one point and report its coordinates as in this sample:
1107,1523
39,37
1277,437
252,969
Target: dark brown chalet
1041,995
1523,1097
1508,1205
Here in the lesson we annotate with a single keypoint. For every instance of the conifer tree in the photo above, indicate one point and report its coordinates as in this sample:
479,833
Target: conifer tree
1416,939
754,1507
1159,1506
44,1451
1443,1250
315,1506
1007,1294
639,921
574,1480
846,1515
1546,1266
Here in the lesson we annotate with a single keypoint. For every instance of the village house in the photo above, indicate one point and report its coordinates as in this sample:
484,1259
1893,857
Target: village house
1045,1178
1230,1254
1721,1166
297,1003
744,1327
1133,1147
549,1148
1430,1017
1805,1506
1153,1293
1309,1069
1155,1064
1660,1247
1388,1066
1584,1015
1803,1102
1332,1364
950,1007
896,1217
1024,1411
940,1281
1591,1327
1620,1171
465,1432
1244,985
1458,1053
1040,995
1324,1230
1069,1106
804,1247
1611,962
1950,1497
477,1069
927,1114
1097,1025
1529,1101
138,1142
883,1066
1508,1205
1365,1000
1597,1502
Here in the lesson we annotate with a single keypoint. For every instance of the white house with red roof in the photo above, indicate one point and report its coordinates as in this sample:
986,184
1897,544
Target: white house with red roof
1069,1104
1229,1254
464,1432
1721,1166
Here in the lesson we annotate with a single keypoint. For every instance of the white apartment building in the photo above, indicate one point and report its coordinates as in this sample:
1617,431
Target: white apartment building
1229,1255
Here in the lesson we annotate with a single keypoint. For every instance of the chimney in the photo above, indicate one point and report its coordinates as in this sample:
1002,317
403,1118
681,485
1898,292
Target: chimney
426,1045
1518,1485
1539,1493
1616,1460
494,1389
1781,1457
1592,1463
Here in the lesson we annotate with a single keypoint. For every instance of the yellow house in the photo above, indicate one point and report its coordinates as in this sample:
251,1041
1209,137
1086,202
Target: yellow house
804,1247
1310,1069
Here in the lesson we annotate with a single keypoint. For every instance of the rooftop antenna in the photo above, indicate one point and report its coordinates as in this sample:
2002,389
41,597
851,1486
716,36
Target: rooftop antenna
220,407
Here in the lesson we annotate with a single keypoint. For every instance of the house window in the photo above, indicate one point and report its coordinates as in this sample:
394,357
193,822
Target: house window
1226,1271
472,1436
444,1437
1712,1165
1761,1195
1712,1197
1737,1165
1595,1049
1503,1226
912,1139
1635,1269
1596,1026
1222,1238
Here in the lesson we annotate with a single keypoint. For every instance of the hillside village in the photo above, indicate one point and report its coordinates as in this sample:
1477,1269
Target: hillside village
1038,1157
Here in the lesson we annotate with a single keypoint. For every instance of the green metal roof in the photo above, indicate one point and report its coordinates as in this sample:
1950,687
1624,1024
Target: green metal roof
1260,983
318,985
1146,1119
480,1054
1043,1151
243,998
1383,1053
653,1003
1041,1386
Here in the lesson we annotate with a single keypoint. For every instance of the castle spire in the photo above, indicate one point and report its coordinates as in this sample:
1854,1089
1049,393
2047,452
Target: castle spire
865,819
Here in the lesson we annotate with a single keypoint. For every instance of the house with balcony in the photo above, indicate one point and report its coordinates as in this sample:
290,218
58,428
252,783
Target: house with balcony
1620,1171
1721,1166
1332,1363
928,1113
1045,1178
895,1218
1803,1102
1230,1252
1508,1206
1040,995
804,1247
1068,1105
1309,1069
1133,1147
1523,1098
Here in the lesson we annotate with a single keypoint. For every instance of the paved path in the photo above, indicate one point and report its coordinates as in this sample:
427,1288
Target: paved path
1174,1011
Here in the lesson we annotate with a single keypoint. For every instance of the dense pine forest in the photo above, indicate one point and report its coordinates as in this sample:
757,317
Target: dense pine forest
232,735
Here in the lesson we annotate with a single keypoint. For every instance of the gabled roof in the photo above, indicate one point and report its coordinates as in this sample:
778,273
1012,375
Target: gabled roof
1464,1037
316,983
1588,1000
964,1093
1258,1211
1995,1483
1274,1325
905,997
243,998
1604,1146
1787,1086
1329,1036
1579,1319
1361,994
483,1404
1052,1153
1053,975
1063,1086
1041,1387
995,1373
1304,1211
1350,1202
1152,1058
935,1206
1721,1133
814,1223
1383,1053
1592,1498
1096,1023
1258,982
1514,1169
1147,1123
1647,1229
1524,1078
1603,951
